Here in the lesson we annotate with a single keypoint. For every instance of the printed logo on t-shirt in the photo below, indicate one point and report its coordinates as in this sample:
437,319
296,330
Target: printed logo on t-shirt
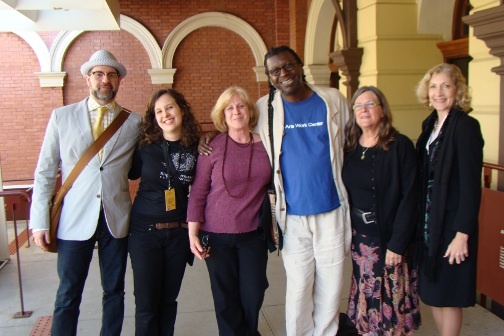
184,163
305,125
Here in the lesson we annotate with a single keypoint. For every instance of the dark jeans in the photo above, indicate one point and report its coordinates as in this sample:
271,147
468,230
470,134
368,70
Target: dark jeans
237,269
158,259
74,258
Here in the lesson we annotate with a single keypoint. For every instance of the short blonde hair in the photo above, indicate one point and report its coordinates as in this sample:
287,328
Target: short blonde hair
463,95
217,113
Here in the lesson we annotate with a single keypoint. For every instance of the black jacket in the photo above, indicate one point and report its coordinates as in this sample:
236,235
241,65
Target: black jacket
395,194
457,176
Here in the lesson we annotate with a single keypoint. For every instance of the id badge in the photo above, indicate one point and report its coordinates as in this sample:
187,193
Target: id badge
170,202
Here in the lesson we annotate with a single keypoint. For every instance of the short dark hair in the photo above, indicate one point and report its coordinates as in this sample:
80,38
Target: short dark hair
278,50
272,89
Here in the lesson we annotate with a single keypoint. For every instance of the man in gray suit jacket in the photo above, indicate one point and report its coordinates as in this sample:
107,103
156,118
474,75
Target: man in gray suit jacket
96,209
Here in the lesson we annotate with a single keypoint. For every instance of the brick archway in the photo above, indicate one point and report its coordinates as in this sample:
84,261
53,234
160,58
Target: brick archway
324,17
222,20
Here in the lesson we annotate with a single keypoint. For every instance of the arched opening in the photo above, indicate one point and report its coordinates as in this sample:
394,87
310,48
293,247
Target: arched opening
456,51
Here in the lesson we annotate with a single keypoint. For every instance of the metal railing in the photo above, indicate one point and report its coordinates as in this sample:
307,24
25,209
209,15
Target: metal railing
487,172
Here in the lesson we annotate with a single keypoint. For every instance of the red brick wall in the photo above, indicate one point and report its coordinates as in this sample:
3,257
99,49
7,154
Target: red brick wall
134,90
207,61
206,53
24,108
161,17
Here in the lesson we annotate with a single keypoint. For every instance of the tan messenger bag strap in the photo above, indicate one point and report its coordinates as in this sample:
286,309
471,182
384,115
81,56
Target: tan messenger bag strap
83,161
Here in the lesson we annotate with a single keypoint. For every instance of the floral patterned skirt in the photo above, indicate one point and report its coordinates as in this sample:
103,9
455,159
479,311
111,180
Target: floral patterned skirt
383,299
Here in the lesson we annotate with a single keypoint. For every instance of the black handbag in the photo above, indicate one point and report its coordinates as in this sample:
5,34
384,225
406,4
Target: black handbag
267,223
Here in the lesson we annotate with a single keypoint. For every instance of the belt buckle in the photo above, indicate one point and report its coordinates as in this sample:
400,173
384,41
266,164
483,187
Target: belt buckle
364,218
162,226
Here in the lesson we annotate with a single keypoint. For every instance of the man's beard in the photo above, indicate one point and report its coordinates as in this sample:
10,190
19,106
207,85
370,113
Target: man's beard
291,90
104,96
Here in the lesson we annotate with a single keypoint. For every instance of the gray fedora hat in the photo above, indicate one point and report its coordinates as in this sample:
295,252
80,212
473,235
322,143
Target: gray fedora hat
103,57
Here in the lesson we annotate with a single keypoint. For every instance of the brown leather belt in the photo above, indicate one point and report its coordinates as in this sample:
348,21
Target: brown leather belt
172,225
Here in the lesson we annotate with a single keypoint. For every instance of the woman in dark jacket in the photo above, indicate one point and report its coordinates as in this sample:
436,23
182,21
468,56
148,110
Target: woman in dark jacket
379,172
450,152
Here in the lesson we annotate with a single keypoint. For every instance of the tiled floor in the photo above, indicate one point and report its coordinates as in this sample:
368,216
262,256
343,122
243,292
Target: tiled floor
196,314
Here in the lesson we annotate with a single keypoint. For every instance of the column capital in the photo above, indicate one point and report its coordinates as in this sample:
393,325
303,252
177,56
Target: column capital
161,76
487,26
349,62
51,79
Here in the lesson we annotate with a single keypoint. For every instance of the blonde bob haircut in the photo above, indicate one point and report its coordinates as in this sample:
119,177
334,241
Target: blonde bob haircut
217,114
463,99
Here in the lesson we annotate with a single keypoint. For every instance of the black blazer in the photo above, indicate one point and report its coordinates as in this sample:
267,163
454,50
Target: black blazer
457,176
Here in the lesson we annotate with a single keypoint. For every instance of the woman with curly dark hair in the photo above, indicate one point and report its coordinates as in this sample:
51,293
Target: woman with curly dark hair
165,160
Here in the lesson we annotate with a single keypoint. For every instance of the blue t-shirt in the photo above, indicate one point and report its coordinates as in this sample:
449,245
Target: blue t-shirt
306,160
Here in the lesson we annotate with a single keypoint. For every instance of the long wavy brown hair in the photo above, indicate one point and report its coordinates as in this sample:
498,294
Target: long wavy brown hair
386,132
150,132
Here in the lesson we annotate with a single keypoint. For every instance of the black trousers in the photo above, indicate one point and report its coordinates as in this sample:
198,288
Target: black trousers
158,259
237,269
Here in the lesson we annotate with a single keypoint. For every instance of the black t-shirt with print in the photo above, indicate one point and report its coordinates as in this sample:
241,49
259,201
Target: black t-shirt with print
150,165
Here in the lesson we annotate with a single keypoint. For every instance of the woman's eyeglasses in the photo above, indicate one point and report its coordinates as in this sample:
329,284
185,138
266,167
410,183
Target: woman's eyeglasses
368,105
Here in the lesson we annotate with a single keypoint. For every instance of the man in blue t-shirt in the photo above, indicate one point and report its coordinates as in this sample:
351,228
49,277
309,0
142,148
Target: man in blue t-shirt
312,204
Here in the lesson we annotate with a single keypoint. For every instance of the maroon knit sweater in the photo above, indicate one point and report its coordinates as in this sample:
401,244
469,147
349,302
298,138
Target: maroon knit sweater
209,201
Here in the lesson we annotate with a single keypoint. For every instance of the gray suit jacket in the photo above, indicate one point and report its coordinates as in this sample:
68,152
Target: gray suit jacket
67,137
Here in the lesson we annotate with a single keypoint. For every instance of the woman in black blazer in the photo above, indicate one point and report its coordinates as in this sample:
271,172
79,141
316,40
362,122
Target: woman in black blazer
450,153
379,172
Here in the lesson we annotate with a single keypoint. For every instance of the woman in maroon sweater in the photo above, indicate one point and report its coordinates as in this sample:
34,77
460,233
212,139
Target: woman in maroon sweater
223,212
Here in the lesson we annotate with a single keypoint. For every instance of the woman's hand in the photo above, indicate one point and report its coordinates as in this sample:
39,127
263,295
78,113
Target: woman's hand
392,259
203,147
194,242
458,249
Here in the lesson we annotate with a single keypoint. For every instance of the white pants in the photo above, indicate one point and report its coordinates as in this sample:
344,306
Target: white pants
313,255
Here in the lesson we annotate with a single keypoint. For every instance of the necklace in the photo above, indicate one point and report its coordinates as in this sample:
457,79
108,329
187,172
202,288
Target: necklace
169,159
439,123
251,144
364,152
368,141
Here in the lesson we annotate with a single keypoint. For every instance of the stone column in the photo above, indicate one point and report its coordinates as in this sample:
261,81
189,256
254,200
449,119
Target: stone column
487,26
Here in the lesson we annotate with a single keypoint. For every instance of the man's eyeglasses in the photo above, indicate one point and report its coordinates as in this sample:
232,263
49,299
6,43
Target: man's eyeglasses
368,105
275,72
98,75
